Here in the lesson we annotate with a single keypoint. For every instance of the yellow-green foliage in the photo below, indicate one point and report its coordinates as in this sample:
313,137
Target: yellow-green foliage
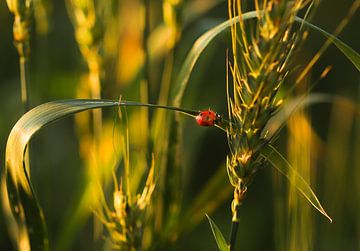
138,171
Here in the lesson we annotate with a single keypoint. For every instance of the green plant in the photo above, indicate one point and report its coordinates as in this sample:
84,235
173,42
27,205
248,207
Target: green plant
260,66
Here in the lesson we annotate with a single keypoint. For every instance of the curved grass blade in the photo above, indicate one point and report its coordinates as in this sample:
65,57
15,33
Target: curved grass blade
202,42
24,206
351,54
278,121
199,46
220,240
284,167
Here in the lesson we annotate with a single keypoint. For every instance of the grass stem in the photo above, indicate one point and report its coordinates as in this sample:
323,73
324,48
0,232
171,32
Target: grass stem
233,233
145,44
24,82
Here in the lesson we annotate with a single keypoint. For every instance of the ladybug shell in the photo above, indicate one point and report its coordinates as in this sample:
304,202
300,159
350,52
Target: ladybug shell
207,118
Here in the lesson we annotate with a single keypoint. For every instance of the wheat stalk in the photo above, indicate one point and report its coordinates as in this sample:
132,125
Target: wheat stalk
259,66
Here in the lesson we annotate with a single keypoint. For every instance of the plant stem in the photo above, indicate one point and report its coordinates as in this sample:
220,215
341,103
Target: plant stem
145,42
24,82
94,66
239,194
24,89
233,233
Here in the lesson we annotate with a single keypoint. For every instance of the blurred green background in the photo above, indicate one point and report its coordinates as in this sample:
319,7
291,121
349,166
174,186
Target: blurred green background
56,68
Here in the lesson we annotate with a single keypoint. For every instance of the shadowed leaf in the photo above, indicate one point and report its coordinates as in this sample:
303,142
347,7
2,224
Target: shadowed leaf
352,55
199,46
278,121
220,240
284,167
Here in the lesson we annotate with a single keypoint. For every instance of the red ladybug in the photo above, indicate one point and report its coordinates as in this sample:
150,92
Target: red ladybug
207,118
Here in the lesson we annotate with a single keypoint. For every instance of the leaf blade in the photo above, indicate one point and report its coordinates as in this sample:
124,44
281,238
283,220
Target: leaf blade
219,238
290,107
23,204
350,53
199,46
28,215
295,179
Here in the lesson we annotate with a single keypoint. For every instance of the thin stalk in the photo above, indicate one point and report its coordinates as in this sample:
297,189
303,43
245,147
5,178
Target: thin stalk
239,194
160,135
127,167
223,124
24,82
192,113
95,89
24,89
233,233
145,42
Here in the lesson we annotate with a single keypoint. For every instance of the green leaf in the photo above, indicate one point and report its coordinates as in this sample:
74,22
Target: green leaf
220,240
290,107
23,207
284,167
352,55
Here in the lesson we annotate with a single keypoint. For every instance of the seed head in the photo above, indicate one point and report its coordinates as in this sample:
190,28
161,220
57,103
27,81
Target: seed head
258,68
22,11
126,221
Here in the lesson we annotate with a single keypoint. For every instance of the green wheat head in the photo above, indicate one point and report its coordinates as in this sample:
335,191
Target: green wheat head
259,66
125,218
22,11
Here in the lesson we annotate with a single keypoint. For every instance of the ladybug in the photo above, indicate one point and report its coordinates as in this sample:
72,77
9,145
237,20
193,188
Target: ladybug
207,118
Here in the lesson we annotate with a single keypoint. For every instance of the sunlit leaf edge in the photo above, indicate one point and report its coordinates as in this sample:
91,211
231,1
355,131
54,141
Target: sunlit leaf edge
295,179
219,237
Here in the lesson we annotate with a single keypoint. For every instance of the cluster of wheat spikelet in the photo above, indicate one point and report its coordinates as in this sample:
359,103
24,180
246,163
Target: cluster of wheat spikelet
22,11
260,64
126,222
